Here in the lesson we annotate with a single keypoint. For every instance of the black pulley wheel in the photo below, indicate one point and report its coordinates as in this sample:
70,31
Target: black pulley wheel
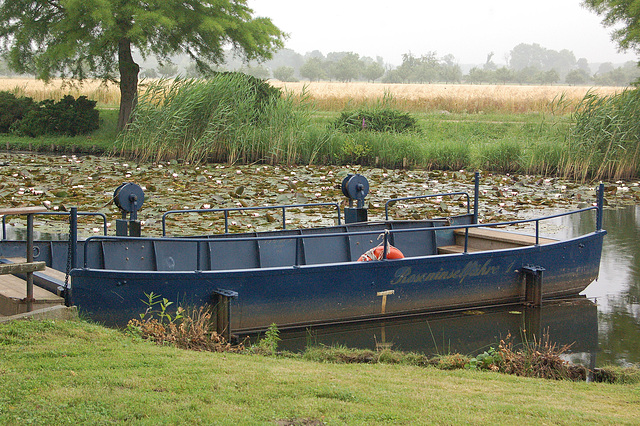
355,187
128,197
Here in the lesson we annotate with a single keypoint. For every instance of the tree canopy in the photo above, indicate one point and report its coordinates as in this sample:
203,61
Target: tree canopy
95,38
625,13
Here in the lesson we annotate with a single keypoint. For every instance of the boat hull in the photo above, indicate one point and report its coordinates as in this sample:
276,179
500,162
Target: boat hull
310,294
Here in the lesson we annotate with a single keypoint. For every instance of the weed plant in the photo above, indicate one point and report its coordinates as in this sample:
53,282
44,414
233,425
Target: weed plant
185,328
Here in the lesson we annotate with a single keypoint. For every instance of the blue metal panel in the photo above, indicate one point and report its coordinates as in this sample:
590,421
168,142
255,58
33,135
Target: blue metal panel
278,252
416,243
360,243
128,255
233,254
446,237
318,250
176,255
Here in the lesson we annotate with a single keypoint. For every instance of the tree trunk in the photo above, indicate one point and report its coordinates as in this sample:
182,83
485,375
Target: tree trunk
128,82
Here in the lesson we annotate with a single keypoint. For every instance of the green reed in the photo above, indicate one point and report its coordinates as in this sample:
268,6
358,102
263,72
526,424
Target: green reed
220,119
605,140
504,155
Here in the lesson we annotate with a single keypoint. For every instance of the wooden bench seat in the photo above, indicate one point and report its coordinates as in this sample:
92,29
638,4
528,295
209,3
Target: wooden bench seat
503,236
486,239
454,249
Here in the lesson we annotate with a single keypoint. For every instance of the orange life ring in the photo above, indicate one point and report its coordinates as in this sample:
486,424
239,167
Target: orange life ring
376,253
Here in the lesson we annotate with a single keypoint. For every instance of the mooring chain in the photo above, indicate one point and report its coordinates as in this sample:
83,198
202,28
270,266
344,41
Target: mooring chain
66,277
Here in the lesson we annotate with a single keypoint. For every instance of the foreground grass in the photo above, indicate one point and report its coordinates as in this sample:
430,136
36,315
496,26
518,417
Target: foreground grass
75,372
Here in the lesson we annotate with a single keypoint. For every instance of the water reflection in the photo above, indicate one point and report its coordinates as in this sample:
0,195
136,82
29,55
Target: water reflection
567,322
617,290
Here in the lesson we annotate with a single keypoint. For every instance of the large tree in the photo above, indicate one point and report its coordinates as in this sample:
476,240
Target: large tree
95,38
624,15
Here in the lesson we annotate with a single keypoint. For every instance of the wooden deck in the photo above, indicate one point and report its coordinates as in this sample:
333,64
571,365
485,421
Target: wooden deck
486,239
13,292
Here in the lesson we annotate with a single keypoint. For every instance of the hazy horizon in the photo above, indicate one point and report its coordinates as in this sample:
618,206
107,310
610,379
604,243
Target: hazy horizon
467,29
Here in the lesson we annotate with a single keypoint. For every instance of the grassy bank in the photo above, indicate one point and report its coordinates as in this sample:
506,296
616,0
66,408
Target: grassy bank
79,373
532,143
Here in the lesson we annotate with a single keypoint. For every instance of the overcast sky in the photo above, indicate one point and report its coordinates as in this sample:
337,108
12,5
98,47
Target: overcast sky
467,29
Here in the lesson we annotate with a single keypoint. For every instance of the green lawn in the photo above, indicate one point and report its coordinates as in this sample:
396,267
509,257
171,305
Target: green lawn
80,373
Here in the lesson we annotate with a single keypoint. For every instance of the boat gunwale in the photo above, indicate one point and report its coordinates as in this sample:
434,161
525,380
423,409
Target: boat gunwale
290,235
279,269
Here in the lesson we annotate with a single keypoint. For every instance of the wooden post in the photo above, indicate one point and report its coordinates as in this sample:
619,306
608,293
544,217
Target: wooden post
533,284
29,211
222,306
384,295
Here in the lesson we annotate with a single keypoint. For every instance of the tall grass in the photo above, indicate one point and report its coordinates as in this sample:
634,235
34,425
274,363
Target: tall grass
504,155
220,119
605,140
217,120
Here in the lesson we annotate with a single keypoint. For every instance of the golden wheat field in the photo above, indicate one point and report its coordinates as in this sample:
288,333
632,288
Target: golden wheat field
336,96
469,98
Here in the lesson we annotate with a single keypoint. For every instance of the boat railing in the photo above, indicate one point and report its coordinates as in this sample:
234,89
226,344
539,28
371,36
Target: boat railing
101,215
227,210
393,201
386,234
535,220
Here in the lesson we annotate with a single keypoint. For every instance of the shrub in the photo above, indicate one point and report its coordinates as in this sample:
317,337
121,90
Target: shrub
382,119
69,117
13,109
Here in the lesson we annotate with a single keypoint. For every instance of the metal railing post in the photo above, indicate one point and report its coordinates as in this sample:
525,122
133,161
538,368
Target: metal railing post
29,260
599,213
73,237
476,192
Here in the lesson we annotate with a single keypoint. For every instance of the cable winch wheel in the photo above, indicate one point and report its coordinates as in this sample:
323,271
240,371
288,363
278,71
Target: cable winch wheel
355,187
128,197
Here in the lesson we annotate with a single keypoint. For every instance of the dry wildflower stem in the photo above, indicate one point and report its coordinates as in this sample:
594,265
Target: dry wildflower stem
540,359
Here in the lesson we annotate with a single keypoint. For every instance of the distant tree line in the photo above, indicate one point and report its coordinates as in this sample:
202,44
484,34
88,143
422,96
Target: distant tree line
525,64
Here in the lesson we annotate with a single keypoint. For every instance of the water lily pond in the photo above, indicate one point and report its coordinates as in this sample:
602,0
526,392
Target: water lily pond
88,182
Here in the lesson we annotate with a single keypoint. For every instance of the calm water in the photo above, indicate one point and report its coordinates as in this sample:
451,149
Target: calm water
603,325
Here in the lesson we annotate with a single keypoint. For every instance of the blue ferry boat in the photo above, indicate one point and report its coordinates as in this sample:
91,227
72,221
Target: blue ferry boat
301,277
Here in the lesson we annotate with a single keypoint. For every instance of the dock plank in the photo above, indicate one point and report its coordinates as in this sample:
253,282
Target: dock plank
53,273
15,288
